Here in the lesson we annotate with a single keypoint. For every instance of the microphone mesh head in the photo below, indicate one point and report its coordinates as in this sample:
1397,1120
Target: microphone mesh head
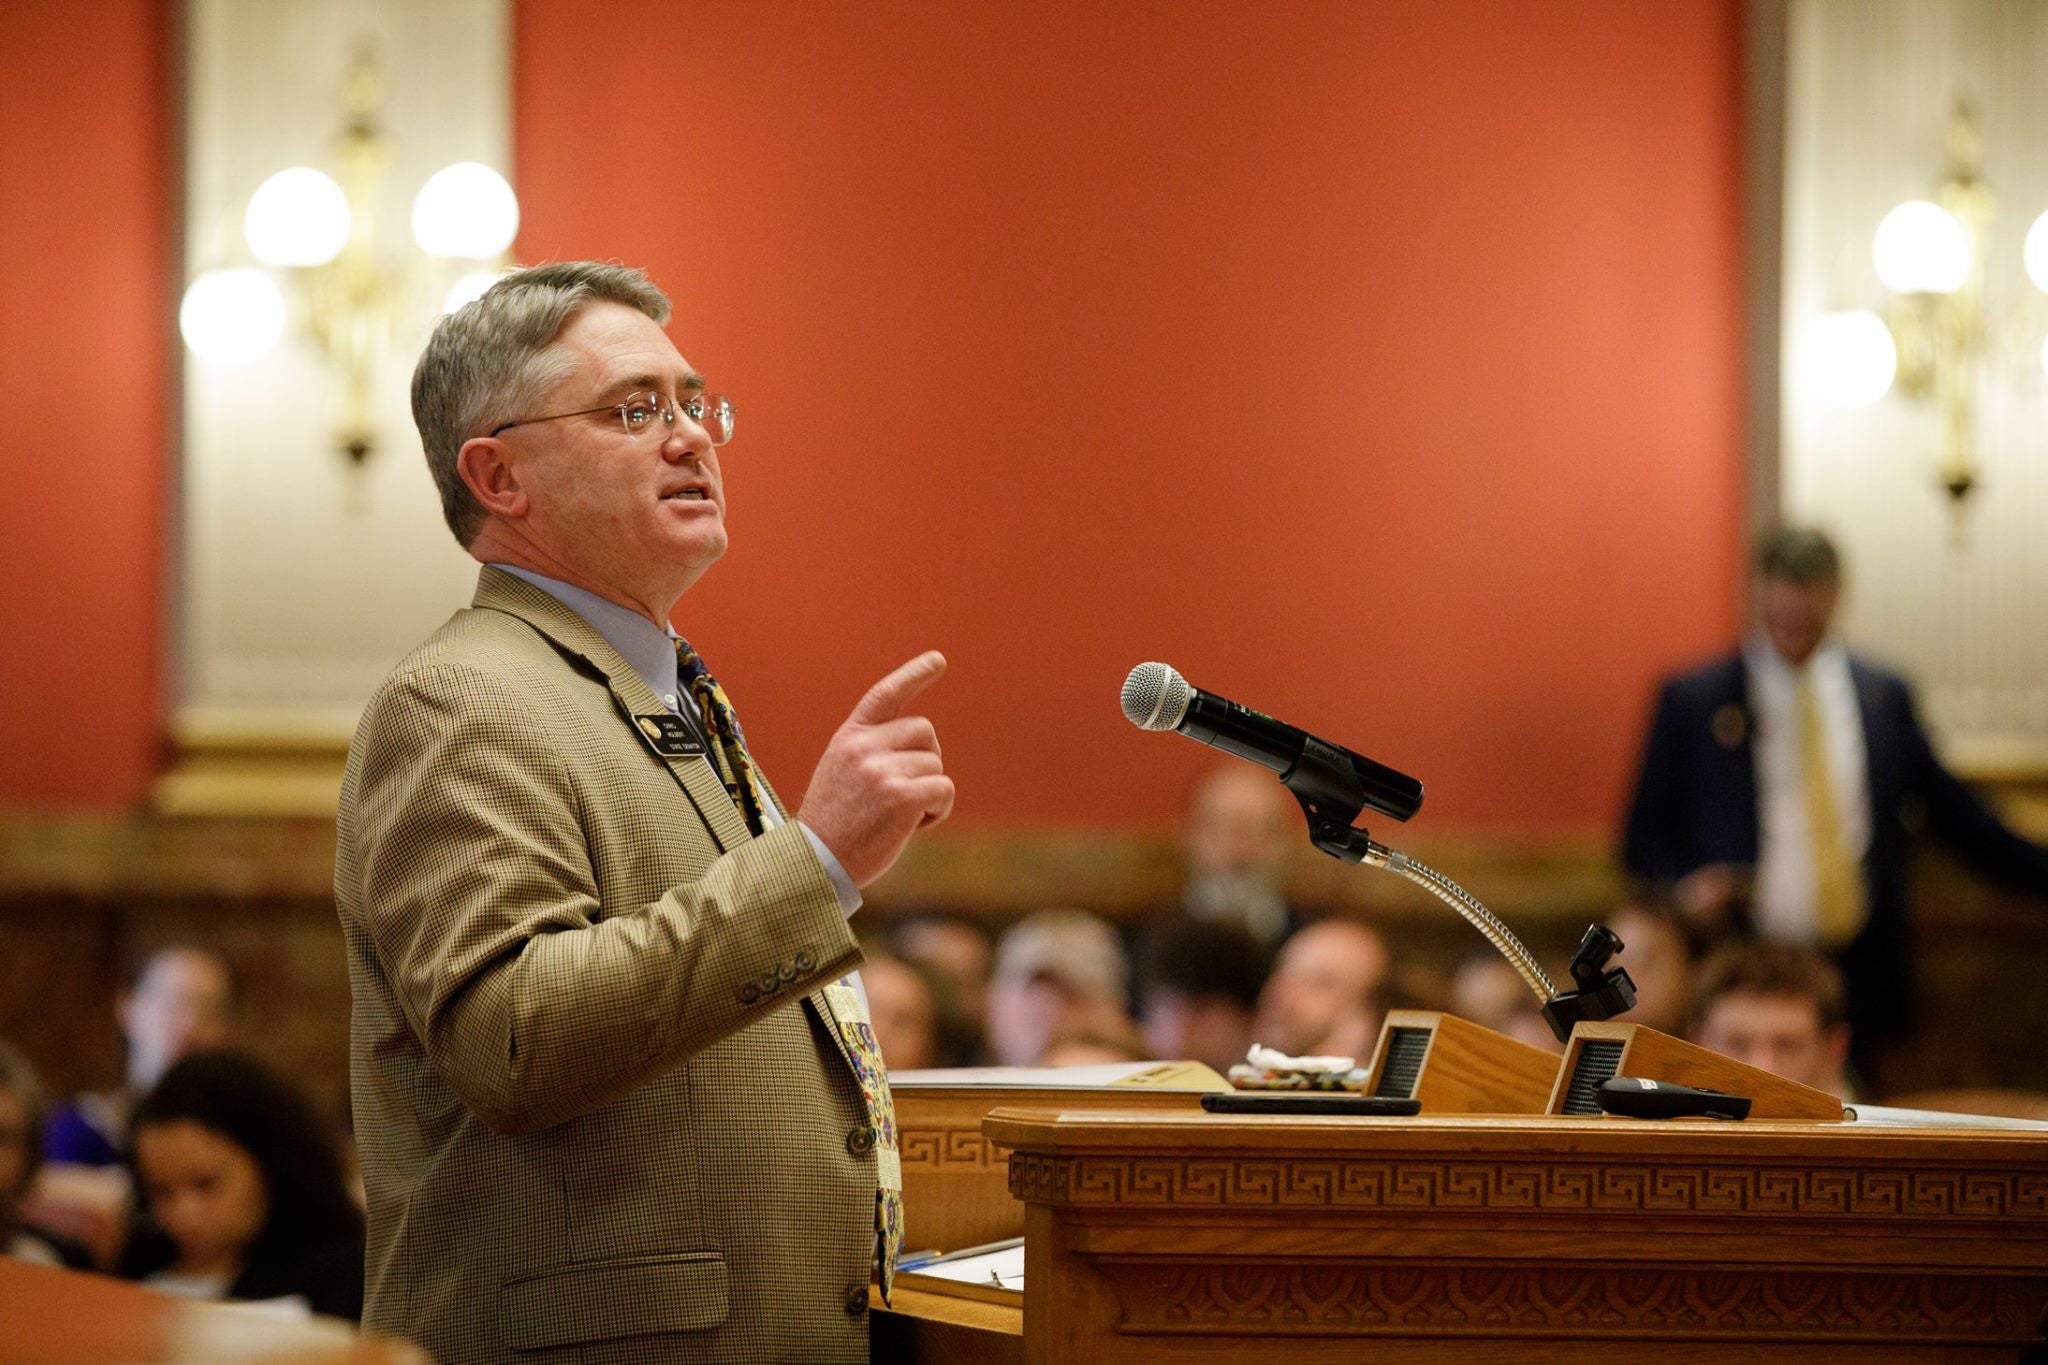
1155,697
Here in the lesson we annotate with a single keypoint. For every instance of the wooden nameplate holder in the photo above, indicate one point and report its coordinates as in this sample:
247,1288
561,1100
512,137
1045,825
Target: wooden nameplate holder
1598,1051
1454,1066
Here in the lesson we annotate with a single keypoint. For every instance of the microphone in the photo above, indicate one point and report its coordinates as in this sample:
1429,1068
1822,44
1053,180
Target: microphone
1157,697
1333,785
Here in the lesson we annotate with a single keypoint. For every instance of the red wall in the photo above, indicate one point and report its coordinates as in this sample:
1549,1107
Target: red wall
85,323
1375,364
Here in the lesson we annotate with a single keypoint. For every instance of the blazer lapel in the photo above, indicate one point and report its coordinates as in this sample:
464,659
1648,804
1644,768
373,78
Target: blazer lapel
570,633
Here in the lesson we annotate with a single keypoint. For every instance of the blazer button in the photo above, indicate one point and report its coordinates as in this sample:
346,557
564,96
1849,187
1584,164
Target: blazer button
857,1300
805,962
748,995
769,981
860,1141
786,974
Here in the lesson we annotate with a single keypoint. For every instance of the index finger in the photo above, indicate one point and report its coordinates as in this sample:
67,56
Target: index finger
887,698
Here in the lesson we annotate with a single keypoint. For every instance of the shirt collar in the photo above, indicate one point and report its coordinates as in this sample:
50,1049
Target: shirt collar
647,648
1765,662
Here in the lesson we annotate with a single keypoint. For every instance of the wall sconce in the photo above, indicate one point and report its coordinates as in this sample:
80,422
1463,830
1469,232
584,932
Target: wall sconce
315,239
1936,340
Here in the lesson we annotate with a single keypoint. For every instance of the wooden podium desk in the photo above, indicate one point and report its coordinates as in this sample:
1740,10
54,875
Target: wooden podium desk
65,1317
1188,1237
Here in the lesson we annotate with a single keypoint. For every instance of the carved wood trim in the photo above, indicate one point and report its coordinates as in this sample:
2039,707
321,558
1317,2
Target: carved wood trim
1564,1186
1484,1299
950,1149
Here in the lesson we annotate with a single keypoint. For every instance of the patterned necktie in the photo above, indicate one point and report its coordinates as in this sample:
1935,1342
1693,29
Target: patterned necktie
864,1056
725,728
1837,889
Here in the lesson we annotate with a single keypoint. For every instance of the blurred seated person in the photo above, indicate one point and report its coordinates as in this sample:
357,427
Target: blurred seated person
958,949
1198,990
1778,1007
182,999
917,1020
1056,970
1488,991
242,1191
1324,996
1240,827
21,1118
1657,951
1101,1040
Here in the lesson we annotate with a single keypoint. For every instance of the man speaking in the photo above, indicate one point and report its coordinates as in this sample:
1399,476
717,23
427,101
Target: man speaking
615,1091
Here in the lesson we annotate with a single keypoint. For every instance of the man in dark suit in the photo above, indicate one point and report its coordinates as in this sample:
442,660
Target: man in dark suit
1780,785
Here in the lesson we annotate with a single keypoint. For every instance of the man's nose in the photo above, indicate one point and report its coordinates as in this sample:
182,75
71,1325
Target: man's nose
685,440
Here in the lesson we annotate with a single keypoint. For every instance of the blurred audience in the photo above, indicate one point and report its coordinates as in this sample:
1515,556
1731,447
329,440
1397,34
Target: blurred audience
1056,972
1324,997
21,1118
1198,990
958,949
902,1011
1240,827
1657,952
1775,1006
182,999
242,1191
917,1020
1100,1040
1487,990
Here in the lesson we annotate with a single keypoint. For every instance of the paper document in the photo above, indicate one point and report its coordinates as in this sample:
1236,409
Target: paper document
1189,1076
998,1266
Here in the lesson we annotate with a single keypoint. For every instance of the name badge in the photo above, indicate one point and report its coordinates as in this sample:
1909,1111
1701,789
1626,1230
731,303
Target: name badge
669,736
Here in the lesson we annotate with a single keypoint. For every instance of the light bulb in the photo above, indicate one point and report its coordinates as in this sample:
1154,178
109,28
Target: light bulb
2035,253
1921,248
1847,358
230,317
465,211
297,217
470,288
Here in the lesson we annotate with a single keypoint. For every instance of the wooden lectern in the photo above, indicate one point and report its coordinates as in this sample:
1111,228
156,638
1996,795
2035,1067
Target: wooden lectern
1166,1238
1536,1231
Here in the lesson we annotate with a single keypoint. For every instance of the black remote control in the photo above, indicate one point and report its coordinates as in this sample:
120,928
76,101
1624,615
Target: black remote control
1639,1098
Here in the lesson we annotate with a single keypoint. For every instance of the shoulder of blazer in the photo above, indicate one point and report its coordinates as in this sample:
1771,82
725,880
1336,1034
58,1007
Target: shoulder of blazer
1699,692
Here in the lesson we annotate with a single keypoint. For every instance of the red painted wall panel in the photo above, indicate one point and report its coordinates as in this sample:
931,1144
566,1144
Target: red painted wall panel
84,319
1377,365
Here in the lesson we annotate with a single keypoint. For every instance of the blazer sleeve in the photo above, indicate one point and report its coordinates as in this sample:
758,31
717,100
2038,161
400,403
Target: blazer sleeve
1654,842
1960,818
535,1001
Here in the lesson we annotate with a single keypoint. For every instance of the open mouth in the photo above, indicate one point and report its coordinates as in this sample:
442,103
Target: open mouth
685,495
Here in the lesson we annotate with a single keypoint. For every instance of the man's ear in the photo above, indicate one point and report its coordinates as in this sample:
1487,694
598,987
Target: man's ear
1836,1043
492,480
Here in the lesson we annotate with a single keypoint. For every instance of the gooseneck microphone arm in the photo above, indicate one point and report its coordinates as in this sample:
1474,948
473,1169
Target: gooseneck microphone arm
1333,786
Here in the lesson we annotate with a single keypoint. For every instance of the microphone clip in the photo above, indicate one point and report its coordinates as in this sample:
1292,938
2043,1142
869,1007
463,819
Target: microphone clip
1603,991
1325,785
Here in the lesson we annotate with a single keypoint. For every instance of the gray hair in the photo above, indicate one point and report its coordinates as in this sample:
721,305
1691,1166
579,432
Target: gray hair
491,360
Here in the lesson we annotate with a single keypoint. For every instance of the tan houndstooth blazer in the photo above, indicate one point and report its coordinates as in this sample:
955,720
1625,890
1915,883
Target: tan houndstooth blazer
600,1118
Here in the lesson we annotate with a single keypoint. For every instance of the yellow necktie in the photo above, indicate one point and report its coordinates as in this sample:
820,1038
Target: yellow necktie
1837,882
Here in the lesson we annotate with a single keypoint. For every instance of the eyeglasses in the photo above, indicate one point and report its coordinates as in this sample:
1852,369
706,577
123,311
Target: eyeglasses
711,411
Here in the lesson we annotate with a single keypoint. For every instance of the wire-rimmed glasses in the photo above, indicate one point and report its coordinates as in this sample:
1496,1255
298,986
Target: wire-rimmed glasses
637,413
